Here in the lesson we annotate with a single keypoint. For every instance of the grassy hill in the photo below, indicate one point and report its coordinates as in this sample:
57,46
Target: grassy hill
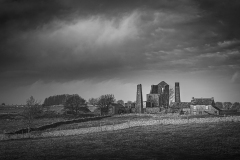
187,141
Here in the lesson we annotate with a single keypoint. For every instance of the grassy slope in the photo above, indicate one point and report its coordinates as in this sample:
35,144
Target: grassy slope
191,141
105,121
13,125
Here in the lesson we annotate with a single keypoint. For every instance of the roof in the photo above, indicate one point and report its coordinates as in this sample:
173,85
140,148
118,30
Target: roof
163,83
202,101
92,108
116,105
181,104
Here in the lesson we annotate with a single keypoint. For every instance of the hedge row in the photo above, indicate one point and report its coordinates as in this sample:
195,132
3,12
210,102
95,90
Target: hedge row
56,124
126,125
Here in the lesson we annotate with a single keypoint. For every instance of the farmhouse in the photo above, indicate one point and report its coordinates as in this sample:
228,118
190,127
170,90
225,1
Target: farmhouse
203,106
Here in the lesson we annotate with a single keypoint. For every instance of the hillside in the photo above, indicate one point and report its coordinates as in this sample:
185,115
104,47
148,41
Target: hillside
188,141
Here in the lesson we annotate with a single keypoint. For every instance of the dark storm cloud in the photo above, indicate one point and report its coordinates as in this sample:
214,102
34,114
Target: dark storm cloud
66,40
226,14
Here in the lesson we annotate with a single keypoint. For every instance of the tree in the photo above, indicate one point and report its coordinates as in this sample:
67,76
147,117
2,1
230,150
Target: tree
73,103
236,106
93,101
120,102
55,100
3,104
171,94
219,105
32,110
227,105
104,101
129,102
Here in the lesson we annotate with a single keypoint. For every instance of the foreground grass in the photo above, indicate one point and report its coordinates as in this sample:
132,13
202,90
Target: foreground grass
186,141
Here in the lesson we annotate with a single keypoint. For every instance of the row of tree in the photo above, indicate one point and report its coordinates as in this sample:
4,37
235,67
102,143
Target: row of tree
95,101
56,100
228,105
72,103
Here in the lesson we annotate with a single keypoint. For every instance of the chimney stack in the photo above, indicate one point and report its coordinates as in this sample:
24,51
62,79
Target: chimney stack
177,92
139,99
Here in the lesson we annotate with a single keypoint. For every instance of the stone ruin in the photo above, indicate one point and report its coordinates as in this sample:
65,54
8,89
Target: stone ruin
158,96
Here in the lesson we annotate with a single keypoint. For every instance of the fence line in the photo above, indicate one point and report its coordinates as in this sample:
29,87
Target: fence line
125,125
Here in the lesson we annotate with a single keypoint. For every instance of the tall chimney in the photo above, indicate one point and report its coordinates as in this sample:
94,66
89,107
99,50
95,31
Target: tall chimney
177,92
139,99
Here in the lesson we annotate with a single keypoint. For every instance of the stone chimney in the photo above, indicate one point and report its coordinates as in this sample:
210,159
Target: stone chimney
139,99
177,92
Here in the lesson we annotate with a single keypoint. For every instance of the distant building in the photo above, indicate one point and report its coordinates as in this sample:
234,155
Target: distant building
183,107
159,95
203,106
115,108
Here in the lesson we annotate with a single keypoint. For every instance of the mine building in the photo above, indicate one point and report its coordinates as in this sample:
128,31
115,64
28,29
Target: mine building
159,96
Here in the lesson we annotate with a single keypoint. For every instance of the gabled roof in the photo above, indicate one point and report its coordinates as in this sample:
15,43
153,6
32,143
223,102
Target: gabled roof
116,105
202,101
163,83
181,104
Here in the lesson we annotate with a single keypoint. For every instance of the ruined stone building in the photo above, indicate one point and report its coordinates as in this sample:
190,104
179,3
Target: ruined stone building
159,95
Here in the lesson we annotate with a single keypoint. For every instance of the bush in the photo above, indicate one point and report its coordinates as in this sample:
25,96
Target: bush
153,110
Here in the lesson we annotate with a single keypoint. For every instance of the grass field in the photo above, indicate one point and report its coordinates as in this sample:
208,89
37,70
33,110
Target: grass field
11,121
12,124
106,121
188,141
10,109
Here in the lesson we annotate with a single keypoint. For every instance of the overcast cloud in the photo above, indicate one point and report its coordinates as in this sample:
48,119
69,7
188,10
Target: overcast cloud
90,42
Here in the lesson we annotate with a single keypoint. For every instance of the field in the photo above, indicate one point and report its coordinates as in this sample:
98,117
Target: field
105,121
187,141
167,140
11,121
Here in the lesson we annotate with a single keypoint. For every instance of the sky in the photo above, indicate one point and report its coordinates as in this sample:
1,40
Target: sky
96,47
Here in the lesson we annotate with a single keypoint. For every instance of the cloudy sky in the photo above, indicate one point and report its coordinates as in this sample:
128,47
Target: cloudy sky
95,47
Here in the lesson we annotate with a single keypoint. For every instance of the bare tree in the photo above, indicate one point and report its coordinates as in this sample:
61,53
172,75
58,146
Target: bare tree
104,101
73,103
219,105
171,94
227,105
236,106
32,110
120,102
93,101
129,102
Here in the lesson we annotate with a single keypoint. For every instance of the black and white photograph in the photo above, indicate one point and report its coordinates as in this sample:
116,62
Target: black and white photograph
119,79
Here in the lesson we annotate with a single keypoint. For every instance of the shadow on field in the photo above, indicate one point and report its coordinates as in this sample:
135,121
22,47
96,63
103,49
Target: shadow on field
54,125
